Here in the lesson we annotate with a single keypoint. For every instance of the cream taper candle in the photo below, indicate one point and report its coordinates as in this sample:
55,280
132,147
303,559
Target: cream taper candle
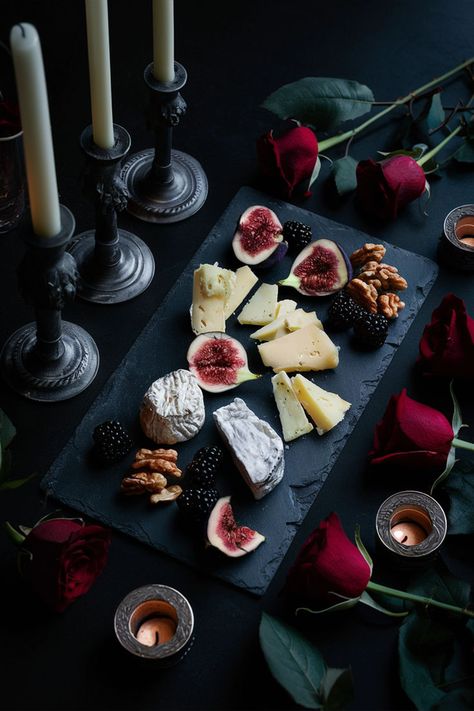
97,21
163,40
36,124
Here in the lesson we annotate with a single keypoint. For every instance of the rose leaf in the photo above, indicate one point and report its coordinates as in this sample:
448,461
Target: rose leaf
15,483
294,662
337,689
7,430
439,584
431,118
344,171
465,152
321,102
460,489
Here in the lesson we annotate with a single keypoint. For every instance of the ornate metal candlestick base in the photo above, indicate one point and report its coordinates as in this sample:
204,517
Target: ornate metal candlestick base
115,265
165,185
49,360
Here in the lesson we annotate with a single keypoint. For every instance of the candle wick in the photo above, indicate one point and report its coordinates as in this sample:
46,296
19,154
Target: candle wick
23,31
157,638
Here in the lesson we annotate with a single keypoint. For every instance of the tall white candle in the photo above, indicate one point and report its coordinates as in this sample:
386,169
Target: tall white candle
37,139
163,40
97,20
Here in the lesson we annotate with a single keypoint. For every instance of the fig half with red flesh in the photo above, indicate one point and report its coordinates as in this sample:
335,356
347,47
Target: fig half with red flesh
219,362
224,533
320,269
259,237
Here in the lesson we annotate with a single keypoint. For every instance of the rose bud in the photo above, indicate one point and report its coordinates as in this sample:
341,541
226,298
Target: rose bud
385,187
62,557
447,343
328,565
288,158
411,437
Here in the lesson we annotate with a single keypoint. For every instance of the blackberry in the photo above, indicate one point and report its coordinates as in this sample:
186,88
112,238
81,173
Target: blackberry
202,473
209,456
112,442
297,234
344,312
372,330
196,503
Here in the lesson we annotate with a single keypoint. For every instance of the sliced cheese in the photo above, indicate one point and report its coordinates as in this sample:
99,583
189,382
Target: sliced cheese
274,329
325,408
212,287
299,318
245,280
294,422
284,307
261,308
309,348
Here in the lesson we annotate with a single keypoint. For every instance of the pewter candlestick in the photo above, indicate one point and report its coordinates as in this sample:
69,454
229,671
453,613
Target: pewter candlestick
165,185
114,265
49,360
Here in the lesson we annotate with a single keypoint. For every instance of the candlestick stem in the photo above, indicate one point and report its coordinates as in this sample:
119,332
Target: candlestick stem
115,265
165,185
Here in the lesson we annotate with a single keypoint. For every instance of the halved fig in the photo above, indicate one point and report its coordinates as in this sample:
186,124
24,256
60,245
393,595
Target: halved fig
259,237
219,362
224,533
320,269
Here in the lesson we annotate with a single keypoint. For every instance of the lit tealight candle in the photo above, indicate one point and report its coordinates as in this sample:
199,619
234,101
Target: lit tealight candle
163,40
156,630
37,138
465,230
409,533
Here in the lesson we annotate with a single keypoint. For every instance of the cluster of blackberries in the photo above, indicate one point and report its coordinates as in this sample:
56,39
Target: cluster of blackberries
370,330
297,234
200,496
111,442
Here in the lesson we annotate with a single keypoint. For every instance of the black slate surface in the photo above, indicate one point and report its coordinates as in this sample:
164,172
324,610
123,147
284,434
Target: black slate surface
75,481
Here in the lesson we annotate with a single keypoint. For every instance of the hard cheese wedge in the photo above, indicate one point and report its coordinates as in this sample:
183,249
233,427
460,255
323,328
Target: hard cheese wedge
309,348
261,308
245,280
294,422
277,327
300,318
325,408
285,307
212,287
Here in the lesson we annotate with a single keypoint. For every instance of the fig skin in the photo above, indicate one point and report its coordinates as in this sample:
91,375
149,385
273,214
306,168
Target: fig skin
226,349
275,257
336,282
222,525
255,223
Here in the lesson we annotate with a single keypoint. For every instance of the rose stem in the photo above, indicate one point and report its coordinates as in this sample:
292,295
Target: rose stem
418,598
463,444
335,140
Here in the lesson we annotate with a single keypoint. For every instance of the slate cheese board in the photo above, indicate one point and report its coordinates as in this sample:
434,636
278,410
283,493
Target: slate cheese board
161,348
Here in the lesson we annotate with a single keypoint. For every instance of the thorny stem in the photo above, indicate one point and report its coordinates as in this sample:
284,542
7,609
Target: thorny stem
418,598
335,140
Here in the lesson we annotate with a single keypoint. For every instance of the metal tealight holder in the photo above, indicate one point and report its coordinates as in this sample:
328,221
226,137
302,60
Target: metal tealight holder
114,264
165,185
50,359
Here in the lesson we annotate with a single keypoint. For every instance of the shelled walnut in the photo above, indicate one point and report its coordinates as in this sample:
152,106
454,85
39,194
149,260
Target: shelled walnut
367,253
383,276
149,467
389,305
364,294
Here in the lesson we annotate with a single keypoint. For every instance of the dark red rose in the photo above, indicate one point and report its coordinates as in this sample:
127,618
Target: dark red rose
411,436
328,563
288,158
9,118
385,187
62,557
447,344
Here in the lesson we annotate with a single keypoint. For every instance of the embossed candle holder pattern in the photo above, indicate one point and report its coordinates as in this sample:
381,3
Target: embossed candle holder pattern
456,245
49,360
165,185
411,526
155,622
114,265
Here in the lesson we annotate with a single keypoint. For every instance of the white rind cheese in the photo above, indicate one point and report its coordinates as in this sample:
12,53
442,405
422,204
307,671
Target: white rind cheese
326,409
245,280
294,422
308,348
173,408
261,308
257,450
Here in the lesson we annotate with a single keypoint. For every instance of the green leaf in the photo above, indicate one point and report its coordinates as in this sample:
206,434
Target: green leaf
337,689
431,118
7,430
15,483
456,422
344,171
15,535
450,462
366,599
465,152
441,585
460,489
362,549
322,102
294,662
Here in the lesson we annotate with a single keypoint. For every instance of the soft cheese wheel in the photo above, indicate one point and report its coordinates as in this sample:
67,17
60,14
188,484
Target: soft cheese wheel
173,408
308,348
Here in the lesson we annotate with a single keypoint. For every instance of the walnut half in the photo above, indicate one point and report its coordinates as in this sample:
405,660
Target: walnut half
389,305
368,252
364,294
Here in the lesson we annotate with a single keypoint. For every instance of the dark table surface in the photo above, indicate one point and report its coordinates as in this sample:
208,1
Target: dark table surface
235,56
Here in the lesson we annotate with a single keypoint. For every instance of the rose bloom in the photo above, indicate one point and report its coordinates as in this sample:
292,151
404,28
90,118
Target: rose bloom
447,344
328,563
288,157
61,558
385,187
411,437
